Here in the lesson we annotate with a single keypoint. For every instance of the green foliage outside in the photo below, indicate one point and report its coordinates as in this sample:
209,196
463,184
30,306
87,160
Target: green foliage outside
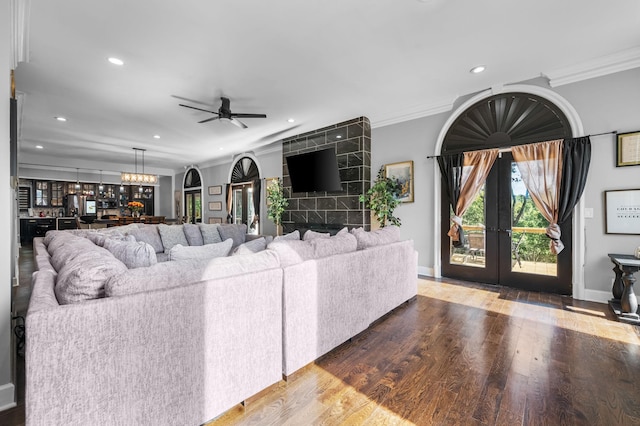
533,247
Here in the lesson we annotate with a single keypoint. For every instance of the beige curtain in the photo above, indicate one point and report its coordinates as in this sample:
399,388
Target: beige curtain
540,166
475,169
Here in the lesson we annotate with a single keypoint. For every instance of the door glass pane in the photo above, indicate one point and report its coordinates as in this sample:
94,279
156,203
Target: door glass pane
197,204
472,251
530,252
251,212
237,205
188,202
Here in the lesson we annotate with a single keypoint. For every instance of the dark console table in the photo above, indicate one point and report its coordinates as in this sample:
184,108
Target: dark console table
624,303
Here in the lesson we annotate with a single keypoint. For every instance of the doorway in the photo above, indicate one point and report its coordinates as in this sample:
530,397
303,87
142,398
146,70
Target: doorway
192,188
505,242
245,193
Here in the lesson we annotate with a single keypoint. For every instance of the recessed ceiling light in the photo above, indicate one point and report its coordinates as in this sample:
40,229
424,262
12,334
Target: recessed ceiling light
39,147
477,70
291,120
221,149
156,136
338,136
116,61
60,118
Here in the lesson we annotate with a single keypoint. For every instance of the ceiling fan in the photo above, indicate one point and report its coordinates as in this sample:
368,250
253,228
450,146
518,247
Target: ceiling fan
224,113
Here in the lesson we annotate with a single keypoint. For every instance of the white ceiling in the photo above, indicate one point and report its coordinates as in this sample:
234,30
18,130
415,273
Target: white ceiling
318,62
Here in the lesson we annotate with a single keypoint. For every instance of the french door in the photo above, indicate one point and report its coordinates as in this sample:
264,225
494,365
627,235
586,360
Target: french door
193,205
243,209
505,240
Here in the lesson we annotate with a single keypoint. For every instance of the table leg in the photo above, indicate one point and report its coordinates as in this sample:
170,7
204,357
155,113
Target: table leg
618,285
628,301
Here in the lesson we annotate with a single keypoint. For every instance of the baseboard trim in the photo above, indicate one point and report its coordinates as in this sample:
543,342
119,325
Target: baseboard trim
599,296
7,396
425,271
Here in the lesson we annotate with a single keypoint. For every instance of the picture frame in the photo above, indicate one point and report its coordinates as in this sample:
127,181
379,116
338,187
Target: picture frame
628,149
215,206
215,190
214,220
622,211
403,172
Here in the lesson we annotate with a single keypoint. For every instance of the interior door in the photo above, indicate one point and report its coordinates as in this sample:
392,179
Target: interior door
505,240
243,209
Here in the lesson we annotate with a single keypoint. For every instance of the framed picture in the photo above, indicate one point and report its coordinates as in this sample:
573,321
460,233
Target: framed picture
403,172
215,206
622,211
628,149
213,220
215,190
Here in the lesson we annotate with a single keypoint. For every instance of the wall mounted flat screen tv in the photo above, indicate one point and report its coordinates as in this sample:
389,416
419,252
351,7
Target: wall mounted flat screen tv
314,171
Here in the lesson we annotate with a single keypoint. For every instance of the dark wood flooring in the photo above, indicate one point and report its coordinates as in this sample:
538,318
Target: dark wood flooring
458,354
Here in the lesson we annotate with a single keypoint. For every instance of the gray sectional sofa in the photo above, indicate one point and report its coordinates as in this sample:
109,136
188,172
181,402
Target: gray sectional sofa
121,332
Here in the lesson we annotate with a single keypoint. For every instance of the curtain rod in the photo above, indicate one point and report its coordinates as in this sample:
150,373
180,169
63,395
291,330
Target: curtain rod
613,132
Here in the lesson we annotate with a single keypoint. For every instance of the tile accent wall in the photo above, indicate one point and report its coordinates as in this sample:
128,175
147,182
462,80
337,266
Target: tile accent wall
325,210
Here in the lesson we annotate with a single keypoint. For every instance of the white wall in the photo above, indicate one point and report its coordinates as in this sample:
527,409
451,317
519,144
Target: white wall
603,104
412,140
606,104
7,390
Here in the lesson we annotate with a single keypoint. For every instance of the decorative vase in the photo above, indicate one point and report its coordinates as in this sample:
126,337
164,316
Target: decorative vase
279,230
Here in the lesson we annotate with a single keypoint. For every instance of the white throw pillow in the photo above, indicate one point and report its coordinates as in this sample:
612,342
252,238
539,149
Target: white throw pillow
312,235
207,251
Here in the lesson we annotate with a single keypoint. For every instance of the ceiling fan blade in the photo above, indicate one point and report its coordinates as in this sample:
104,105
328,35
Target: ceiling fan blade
193,101
241,115
208,119
198,109
238,123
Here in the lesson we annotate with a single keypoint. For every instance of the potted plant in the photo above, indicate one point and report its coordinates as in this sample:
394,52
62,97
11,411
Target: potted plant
382,199
276,203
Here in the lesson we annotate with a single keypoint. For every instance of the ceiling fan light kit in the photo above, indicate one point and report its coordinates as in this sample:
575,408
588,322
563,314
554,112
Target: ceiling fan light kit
224,114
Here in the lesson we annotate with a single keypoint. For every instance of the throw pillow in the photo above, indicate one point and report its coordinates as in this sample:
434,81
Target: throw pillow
84,277
295,235
238,233
193,234
150,235
312,235
172,235
210,234
223,267
132,254
338,244
207,251
250,247
292,252
387,235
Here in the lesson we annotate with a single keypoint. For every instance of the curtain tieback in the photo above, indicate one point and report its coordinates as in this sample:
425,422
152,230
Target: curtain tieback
553,232
454,230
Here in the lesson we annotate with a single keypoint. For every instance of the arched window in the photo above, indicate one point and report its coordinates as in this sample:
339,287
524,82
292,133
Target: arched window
192,188
243,194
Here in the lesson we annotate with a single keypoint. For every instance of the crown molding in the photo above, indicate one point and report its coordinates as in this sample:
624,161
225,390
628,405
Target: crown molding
620,61
20,16
444,105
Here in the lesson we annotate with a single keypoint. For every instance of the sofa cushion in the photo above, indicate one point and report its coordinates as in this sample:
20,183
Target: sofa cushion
223,267
387,235
292,252
210,234
295,235
65,248
148,234
338,244
193,234
159,276
238,233
84,276
250,247
312,235
133,254
171,236
208,251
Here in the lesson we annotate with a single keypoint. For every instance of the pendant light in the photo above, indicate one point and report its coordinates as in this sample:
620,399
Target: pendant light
101,186
140,178
77,179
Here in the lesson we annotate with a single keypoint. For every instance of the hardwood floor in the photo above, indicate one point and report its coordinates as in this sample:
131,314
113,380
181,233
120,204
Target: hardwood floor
468,354
459,354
